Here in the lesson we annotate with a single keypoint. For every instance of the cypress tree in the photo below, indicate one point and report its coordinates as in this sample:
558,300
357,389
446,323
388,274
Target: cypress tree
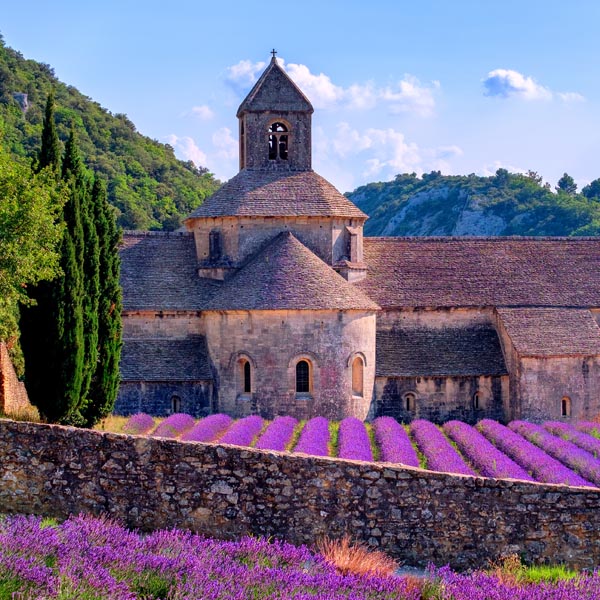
49,155
105,382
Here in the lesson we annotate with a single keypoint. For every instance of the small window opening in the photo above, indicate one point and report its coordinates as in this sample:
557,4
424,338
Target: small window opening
215,245
565,406
175,404
278,142
242,145
476,401
247,377
409,402
302,377
357,376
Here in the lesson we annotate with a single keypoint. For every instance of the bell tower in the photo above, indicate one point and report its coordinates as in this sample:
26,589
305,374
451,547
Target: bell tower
275,124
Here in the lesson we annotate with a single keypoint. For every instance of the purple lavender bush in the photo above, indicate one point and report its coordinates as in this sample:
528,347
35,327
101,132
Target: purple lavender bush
393,442
208,429
278,434
438,451
174,425
566,431
243,431
138,424
589,427
353,440
484,456
542,467
314,438
90,558
567,453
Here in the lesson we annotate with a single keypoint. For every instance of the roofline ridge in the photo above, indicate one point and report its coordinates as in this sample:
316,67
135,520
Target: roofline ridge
144,233
483,238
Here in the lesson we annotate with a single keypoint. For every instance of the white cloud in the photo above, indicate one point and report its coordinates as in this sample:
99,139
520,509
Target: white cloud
186,148
226,144
245,72
571,97
203,112
407,95
507,83
490,169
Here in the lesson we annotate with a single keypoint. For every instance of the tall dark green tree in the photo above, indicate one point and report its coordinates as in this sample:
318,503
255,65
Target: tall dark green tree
592,190
567,185
50,152
105,382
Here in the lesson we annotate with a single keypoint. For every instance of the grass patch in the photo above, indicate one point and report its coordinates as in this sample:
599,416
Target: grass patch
374,447
295,435
422,458
547,573
28,413
112,423
334,435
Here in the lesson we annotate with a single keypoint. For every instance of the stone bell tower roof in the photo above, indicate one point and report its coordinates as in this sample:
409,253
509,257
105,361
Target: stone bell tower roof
275,83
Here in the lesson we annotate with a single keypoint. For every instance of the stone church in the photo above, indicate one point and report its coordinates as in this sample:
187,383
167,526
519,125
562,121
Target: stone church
272,302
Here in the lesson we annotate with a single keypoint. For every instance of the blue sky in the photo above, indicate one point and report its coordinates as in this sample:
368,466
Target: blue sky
461,86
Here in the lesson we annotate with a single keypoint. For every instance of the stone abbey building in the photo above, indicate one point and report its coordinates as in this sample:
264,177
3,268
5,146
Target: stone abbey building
273,302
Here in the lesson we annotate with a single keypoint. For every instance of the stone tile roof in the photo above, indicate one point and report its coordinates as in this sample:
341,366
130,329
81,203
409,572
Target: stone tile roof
287,275
158,272
551,331
274,90
257,193
165,360
439,352
438,272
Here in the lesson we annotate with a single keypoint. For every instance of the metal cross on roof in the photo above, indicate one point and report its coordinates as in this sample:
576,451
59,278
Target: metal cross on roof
273,52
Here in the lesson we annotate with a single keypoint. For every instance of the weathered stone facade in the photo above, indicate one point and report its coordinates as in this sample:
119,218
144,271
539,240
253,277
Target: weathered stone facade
273,283
226,492
13,395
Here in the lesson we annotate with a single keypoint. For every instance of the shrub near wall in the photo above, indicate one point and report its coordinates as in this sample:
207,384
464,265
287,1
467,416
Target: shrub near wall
225,491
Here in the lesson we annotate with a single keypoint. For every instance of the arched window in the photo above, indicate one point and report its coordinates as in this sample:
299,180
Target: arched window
278,141
247,378
476,400
302,377
409,401
357,376
565,406
175,404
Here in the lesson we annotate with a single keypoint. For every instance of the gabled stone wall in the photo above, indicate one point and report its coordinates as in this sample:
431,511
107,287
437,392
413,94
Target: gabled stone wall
224,491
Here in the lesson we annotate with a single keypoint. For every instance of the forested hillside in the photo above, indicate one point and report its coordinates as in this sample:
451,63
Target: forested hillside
504,204
146,183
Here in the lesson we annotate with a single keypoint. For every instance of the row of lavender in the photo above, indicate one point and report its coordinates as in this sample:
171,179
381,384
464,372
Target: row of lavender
556,452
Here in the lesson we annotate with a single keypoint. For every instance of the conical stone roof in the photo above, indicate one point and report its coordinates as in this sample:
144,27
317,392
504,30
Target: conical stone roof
275,83
256,193
286,275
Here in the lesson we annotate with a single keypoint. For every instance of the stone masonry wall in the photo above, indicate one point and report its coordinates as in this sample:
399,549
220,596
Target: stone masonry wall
13,395
226,492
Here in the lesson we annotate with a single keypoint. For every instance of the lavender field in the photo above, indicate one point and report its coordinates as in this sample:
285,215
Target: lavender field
89,558
554,452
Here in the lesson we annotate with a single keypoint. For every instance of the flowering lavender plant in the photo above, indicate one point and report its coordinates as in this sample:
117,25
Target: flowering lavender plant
139,424
243,432
567,453
314,438
208,429
486,458
278,434
566,431
353,440
174,425
542,467
438,451
589,427
393,442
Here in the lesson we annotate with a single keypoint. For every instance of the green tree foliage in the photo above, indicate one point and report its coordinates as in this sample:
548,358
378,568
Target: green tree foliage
149,187
567,185
29,238
434,203
50,152
105,381
592,190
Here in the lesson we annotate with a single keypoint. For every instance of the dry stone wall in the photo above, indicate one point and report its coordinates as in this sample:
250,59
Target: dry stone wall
225,491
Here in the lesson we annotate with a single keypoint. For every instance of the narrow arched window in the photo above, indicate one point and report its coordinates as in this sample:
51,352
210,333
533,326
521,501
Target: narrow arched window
565,406
175,404
278,141
357,376
247,377
409,402
476,401
302,377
